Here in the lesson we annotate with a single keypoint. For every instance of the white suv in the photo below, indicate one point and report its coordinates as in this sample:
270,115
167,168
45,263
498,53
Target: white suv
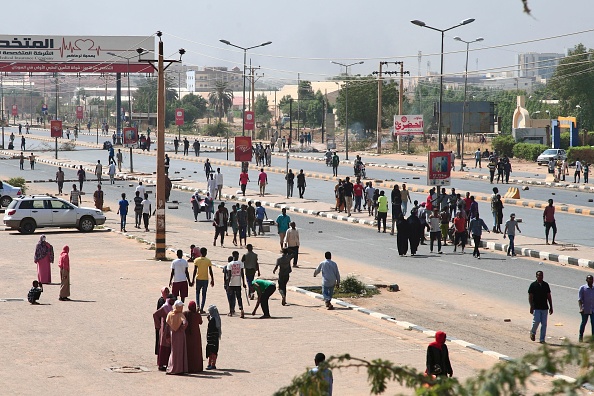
27,213
8,193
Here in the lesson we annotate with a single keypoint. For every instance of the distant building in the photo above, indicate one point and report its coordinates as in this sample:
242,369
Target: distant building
204,80
538,65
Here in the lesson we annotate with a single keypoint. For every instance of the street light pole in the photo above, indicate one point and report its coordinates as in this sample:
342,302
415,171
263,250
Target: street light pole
465,90
346,103
442,31
245,50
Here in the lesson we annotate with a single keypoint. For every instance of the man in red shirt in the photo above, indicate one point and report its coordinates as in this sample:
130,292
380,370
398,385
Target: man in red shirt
358,191
243,181
262,182
549,221
461,234
429,201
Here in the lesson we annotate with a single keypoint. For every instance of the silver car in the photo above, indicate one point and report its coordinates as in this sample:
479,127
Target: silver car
8,193
545,156
28,213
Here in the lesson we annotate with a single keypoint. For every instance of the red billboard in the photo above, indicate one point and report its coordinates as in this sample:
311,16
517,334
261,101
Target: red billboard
56,129
243,148
439,168
179,117
79,112
250,121
130,135
15,110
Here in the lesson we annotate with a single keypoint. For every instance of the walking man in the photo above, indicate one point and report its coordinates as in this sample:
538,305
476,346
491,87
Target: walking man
98,171
207,168
477,225
98,197
283,265
219,179
335,162
22,161
477,158
120,159
541,304
137,209
300,184
111,170
32,161
330,278
549,222
202,269
180,277
262,182
146,211
578,171
75,198
221,217
348,195
510,230
405,196
382,211
82,176
251,267
123,212
244,178
236,277
60,179
186,145
176,144
292,242
290,178
282,222
586,303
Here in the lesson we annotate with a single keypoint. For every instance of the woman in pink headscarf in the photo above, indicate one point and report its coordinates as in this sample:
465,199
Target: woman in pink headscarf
177,323
160,302
64,265
438,358
44,256
193,339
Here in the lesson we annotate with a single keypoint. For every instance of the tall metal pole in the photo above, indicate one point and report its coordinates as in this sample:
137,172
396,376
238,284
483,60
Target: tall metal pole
130,114
2,103
464,108
243,100
57,106
379,109
160,224
439,147
346,116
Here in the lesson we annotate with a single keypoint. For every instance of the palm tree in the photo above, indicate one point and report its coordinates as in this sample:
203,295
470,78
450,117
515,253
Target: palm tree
221,98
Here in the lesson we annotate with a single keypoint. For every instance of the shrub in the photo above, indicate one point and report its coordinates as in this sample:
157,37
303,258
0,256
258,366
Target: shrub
583,153
504,145
352,285
528,151
18,182
217,129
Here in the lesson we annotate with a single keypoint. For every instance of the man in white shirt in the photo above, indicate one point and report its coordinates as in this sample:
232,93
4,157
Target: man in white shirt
140,188
211,185
146,211
219,179
233,280
578,171
179,276
292,242
98,171
112,172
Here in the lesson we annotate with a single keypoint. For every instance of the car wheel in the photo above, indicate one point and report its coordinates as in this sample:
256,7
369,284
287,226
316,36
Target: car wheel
27,226
87,224
5,201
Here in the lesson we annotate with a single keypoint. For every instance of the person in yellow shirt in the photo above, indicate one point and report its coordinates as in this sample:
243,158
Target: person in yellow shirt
202,268
382,210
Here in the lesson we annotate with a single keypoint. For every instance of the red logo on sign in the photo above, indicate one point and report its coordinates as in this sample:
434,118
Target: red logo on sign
56,128
15,110
79,112
250,121
179,116
243,148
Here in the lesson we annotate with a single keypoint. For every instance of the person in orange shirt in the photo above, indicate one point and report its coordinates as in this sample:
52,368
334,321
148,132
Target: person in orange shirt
461,234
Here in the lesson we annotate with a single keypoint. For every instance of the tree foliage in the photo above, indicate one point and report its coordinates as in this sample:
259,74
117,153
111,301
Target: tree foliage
504,378
145,98
310,111
221,98
261,108
572,84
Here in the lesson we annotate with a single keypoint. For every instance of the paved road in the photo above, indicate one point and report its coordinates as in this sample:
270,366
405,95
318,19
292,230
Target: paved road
323,191
500,281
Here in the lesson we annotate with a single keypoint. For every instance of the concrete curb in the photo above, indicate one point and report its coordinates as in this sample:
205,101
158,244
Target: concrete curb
559,258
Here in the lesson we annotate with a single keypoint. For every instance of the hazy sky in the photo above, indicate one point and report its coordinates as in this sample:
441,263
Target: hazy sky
306,35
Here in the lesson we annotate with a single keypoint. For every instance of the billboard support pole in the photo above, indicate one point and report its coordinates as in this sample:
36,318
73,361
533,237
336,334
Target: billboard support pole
56,148
131,163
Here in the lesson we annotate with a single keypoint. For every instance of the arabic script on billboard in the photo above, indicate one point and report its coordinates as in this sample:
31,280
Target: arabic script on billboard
243,148
408,124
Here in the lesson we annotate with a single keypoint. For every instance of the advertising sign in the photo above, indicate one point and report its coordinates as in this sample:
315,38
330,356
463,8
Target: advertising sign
439,168
56,128
130,135
179,117
243,148
79,112
90,54
44,108
250,121
15,110
408,124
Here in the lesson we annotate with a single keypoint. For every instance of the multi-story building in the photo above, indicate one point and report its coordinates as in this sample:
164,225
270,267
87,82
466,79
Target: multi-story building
204,80
538,65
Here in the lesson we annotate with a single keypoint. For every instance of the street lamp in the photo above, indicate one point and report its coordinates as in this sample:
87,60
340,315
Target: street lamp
346,103
423,24
128,72
245,50
465,88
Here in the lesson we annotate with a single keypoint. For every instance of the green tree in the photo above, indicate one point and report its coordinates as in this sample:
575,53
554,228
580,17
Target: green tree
572,85
362,101
261,108
195,107
221,98
145,98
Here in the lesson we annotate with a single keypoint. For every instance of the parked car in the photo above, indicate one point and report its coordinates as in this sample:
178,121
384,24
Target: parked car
28,213
545,156
8,193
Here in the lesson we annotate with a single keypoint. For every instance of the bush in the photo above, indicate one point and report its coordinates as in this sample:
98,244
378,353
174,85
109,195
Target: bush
18,182
528,151
217,129
504,145
352,285
583,153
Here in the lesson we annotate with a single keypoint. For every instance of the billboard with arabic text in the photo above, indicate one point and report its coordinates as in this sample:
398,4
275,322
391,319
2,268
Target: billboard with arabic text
408,124
243,148
74,54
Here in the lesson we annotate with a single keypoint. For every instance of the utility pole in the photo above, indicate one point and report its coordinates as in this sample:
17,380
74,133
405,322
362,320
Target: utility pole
253,99
380,84
160,246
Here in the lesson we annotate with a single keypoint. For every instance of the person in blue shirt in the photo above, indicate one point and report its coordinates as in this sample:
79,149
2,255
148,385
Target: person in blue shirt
477,225
123,211
324,372
282,222
260,214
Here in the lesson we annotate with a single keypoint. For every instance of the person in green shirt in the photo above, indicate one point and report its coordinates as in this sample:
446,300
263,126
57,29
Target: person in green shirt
264,289
382,211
